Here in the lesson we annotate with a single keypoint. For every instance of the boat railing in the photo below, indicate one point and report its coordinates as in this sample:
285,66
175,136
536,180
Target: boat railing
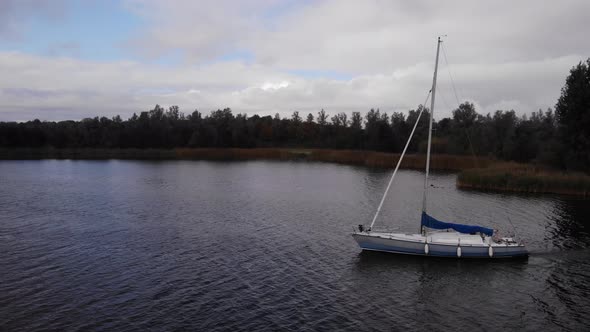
375,229
382,229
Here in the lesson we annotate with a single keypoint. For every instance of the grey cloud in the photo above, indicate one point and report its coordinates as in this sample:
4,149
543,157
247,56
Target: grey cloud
502,55
90,89
378,36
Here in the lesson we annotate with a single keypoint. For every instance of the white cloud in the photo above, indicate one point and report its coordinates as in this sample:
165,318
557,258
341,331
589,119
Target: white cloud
274,86
381,36
37,87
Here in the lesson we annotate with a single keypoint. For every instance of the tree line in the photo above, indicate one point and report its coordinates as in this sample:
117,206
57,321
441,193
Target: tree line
559,138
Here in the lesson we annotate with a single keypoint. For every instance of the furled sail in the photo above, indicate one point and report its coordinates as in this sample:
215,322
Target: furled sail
430,222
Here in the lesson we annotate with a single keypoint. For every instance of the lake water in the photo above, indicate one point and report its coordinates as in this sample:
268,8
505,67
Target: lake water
213,246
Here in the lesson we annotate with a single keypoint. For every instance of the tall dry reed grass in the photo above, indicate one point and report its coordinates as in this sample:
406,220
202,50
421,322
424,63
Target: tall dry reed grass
84,153
481,173
509,176
351,157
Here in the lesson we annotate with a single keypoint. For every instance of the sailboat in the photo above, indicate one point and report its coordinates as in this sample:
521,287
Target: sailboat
437,238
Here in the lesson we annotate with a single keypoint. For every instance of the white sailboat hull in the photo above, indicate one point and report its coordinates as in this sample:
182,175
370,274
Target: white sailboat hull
439,244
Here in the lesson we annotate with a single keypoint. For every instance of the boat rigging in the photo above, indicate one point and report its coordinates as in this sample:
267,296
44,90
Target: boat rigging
436,238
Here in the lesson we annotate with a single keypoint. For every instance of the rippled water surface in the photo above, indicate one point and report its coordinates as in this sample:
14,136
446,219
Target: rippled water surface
182,245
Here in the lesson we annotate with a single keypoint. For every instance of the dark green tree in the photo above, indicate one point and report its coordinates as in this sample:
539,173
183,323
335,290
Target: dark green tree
464,120
356,121
573,115
322,118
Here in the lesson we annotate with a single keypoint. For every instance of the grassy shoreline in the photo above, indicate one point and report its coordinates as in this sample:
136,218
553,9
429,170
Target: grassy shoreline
524,178
483,174
350,157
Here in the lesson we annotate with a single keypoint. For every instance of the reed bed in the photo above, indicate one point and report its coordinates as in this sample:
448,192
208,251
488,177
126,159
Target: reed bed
84,154
411,161
524,178
476,173
350,157
229,154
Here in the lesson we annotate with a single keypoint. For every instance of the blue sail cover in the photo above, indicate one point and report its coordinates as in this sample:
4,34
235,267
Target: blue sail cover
430,222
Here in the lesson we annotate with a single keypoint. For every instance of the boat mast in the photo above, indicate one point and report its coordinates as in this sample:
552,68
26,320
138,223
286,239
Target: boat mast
430,132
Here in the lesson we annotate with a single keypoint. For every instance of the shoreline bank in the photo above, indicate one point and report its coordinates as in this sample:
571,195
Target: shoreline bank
524,178
349,157
484,174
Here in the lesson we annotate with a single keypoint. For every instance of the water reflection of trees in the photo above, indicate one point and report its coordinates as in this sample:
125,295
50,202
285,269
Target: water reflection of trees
566,274
569,227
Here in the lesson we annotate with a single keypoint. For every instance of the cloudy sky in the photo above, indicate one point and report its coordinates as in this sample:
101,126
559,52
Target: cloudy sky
66,59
